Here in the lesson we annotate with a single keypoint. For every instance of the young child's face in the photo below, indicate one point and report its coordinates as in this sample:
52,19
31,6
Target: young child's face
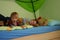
14,17
33,22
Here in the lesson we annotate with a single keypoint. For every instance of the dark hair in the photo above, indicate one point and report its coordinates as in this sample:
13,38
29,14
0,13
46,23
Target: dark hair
13,13
2,18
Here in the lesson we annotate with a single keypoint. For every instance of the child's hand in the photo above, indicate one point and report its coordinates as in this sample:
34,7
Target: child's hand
23,26
9,28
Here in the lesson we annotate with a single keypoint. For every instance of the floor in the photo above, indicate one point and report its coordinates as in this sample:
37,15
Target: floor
47,36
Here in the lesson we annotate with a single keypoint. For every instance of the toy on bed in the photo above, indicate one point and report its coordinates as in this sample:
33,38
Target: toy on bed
42,21
21,23
20,20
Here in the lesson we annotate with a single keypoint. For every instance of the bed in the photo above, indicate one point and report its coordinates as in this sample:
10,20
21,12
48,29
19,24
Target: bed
8,35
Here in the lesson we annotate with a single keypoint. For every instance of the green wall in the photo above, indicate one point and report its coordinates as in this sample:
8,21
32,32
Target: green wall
51,9
9,6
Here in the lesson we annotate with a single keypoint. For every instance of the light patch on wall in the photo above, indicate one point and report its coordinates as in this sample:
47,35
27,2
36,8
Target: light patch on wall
6,7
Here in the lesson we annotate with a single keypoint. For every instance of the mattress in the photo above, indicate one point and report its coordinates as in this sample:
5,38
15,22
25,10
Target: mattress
7,35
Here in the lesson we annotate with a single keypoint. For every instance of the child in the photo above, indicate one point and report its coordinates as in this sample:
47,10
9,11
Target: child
33,23
2,19
1,23
13,19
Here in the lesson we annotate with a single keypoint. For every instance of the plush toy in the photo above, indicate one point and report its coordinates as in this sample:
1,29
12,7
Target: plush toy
21,22
42,22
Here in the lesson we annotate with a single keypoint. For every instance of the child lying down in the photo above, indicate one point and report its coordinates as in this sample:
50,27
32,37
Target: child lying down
15,21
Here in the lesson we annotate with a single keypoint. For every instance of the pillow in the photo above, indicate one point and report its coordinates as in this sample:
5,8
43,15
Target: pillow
8,28
19,28
29,26
3,28
53,22
16,28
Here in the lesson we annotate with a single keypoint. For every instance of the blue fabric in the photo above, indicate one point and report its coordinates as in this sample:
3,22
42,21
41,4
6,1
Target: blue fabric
7,35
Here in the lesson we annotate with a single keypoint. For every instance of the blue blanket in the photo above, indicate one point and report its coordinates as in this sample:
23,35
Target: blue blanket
7,35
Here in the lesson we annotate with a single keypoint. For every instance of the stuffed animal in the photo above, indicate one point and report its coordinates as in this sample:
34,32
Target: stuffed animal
21,22
42,22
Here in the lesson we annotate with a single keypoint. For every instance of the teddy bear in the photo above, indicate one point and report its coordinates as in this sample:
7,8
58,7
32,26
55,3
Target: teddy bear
42,22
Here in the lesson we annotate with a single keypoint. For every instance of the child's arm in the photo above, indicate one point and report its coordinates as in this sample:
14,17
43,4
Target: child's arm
9,28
